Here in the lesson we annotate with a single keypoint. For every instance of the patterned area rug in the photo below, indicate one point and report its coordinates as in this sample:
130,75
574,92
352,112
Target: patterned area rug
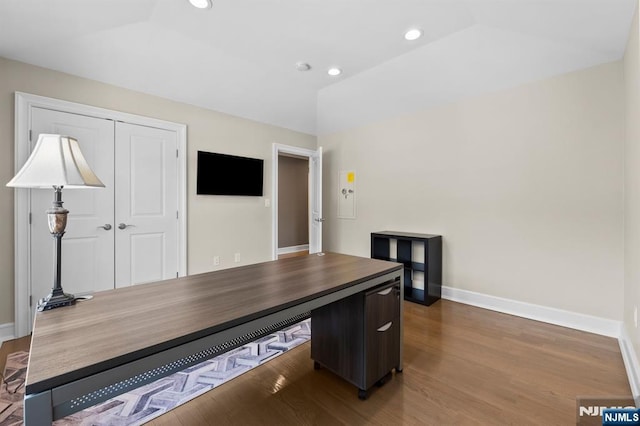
12,389
150,401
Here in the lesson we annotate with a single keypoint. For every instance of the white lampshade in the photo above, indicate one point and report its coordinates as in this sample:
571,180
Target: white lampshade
56,161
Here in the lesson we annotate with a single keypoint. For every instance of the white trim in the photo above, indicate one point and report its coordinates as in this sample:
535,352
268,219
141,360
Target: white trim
293,249
274,202
631,364
22,230
24,102
6,332
277,150
182,199
82,109
591,324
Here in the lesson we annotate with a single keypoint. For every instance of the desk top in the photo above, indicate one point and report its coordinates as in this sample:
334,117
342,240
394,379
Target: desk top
122,325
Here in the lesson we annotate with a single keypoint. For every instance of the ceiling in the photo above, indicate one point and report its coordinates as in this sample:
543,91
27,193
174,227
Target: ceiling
239,56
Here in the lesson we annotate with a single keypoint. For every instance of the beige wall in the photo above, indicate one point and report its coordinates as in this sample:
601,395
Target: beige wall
525,185
293,201
632,183
217,226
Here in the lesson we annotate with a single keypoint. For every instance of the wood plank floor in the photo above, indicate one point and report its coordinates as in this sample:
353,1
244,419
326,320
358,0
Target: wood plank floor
462,365
297,253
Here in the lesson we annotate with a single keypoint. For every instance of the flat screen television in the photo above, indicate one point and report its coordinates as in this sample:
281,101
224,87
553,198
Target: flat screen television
222,174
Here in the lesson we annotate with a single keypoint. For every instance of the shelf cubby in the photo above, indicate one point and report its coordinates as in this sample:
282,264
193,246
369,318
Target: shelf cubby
420,253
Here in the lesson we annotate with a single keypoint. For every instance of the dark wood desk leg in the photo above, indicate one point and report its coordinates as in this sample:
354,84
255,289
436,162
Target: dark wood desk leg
38,409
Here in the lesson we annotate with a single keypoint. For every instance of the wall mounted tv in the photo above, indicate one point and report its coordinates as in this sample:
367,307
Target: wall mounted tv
222,174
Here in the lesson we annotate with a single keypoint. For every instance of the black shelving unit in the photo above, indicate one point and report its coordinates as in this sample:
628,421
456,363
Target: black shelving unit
430,265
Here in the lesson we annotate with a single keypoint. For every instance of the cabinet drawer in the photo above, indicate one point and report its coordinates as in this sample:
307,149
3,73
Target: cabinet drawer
382,305
382,350
382,331
359,337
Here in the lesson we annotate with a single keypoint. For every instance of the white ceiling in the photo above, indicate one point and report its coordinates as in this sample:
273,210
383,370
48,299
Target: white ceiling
239,56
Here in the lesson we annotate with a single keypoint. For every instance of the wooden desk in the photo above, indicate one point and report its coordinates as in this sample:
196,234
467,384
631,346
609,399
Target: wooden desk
122,339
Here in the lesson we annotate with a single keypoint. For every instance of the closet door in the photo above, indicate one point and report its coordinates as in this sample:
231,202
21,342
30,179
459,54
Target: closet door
87,248
146,228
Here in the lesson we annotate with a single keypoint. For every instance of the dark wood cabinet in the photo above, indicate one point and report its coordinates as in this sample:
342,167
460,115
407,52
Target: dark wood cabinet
358,337
421,254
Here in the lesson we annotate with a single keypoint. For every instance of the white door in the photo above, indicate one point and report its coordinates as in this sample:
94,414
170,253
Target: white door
87,248
315,202
146,206
139,205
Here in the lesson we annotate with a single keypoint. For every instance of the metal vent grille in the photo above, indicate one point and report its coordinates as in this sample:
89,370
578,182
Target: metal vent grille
123,386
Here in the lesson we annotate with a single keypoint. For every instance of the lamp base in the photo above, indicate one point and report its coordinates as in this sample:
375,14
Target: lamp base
57,300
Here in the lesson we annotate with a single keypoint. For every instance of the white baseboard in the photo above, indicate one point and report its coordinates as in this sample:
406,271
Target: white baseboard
293,249
6,332
568,319
589,323
630,364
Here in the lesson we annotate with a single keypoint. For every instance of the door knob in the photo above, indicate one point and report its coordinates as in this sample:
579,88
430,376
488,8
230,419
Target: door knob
123,226
106,226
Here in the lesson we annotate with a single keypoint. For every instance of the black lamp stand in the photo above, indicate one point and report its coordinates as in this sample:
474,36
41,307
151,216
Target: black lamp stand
57,217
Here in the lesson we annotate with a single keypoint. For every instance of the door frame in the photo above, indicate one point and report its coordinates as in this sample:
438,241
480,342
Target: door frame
300,152
24,102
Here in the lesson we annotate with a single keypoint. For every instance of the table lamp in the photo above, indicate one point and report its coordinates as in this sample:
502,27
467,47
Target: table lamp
56,162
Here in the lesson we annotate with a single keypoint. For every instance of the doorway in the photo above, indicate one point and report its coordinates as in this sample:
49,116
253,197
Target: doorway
314,185
293,206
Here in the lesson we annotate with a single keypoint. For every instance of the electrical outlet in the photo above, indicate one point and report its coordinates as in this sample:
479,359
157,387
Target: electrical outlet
237,257
267,202
635,316
216,260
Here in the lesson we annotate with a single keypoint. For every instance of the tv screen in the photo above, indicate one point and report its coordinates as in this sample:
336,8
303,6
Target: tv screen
222,174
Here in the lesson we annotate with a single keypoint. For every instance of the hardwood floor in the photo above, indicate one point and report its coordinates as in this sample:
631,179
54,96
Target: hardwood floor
462,365
297,253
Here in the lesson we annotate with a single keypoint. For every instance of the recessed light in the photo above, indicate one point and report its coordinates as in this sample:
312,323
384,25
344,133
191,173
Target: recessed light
201,4
413,34
334,71
303,66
